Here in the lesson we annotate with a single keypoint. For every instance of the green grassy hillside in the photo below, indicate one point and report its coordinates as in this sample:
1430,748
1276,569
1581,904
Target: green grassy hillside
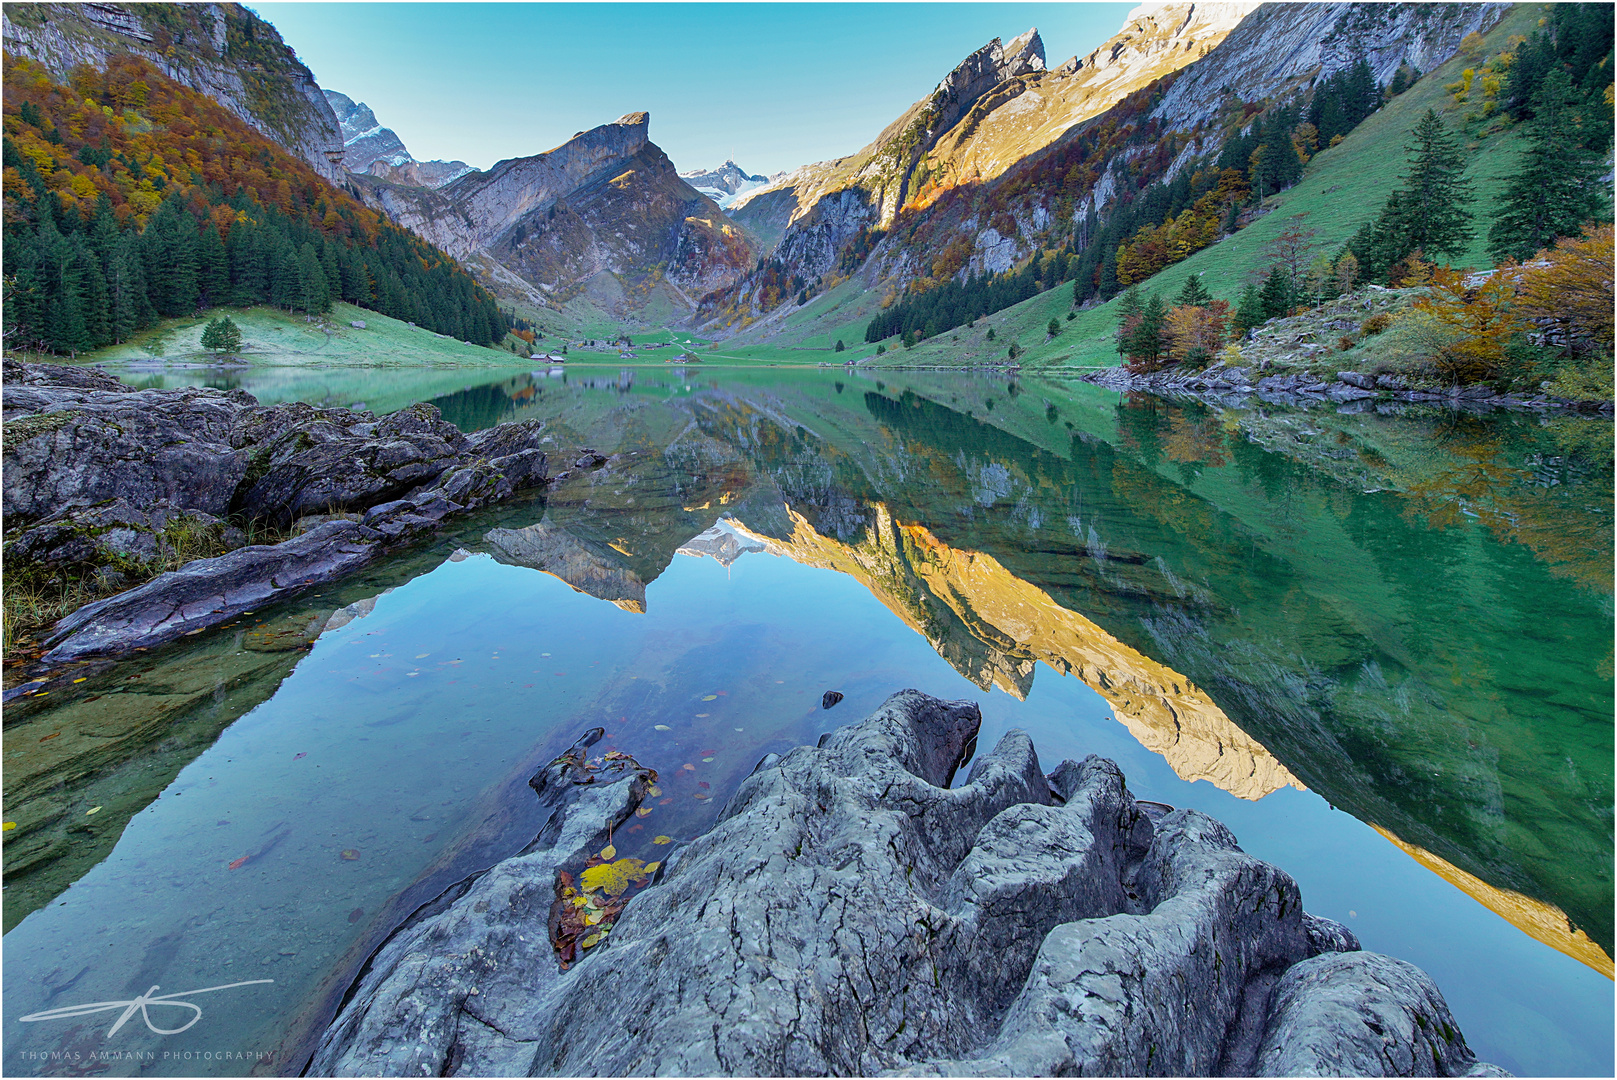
272,337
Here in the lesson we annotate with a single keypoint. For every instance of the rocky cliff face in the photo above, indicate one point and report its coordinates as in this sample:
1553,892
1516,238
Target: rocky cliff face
222,50
1280,45
607,201
994,110
368,147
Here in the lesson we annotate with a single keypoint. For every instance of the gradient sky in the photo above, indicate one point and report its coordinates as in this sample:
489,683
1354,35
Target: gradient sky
774,85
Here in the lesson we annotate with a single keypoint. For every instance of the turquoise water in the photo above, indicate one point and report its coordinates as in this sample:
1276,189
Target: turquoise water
1433,658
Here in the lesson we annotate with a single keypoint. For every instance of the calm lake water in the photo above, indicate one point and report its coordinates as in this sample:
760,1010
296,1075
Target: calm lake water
1379,647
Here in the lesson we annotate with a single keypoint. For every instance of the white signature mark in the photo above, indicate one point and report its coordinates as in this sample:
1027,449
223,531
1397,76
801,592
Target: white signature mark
141,1003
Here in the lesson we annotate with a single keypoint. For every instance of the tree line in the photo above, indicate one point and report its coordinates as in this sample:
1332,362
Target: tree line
129,199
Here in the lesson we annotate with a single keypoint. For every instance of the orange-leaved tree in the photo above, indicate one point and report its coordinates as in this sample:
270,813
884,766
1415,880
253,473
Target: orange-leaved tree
1482,315
1195,334
1567,291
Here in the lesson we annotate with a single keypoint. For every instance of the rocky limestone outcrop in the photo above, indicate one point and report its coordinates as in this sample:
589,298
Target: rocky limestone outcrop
222,50
101,476
368,147
852,913
1280,45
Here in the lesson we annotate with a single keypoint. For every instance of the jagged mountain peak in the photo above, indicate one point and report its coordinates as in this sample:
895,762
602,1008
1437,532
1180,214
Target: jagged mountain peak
370,148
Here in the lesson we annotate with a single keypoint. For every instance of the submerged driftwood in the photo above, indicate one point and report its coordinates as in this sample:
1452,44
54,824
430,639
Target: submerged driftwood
850,913
100,479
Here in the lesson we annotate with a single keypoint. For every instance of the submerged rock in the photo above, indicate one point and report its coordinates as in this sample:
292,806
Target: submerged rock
850,913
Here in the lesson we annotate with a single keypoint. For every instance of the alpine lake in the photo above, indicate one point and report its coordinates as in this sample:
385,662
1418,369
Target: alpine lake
1376,643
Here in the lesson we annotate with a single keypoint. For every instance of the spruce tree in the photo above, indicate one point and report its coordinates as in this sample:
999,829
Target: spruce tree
1278,294
1194,294
1557,187
1429,212
1249,312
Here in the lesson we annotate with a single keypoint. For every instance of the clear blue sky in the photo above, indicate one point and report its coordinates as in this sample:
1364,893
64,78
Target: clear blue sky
779,85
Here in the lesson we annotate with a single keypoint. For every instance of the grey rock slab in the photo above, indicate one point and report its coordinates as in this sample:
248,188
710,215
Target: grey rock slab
1361,1014
851,913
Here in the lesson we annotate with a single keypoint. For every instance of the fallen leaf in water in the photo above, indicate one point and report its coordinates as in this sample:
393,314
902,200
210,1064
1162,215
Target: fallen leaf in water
84,679
653,867
710,697
707,759
654,791
355,915
593,919
422,655
642,812
296,756
689,767
701,715
590,941
662,727
703,784
350,854
7,826
662,839
709,751
723,693
614,877
701,795
238,863
608,853
51,736
665,802
92,810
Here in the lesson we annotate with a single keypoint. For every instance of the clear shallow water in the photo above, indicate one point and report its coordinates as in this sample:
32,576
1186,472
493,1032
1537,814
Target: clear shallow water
1440,679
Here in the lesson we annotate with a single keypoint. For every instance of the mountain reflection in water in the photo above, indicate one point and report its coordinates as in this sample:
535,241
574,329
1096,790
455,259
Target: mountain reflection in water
1408,616
1303,598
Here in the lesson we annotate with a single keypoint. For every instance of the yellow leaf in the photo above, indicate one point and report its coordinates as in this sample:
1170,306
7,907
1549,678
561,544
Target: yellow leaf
612,878
92,810
652,867
663,840
590,941
579,901
8,826
710,697
655,791
593,917
662,727
643,811
609,853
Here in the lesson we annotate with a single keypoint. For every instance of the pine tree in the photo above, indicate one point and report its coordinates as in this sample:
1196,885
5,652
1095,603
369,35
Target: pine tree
1557,188
1278,295
1194,294
222,336
1429,212
1250,312
1053,327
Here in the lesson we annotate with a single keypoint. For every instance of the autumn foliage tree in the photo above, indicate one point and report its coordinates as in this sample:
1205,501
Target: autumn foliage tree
1567,291
1481,319
1195,334
130,198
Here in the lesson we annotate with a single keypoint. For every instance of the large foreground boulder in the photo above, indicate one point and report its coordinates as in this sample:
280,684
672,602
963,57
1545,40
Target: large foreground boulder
851,913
